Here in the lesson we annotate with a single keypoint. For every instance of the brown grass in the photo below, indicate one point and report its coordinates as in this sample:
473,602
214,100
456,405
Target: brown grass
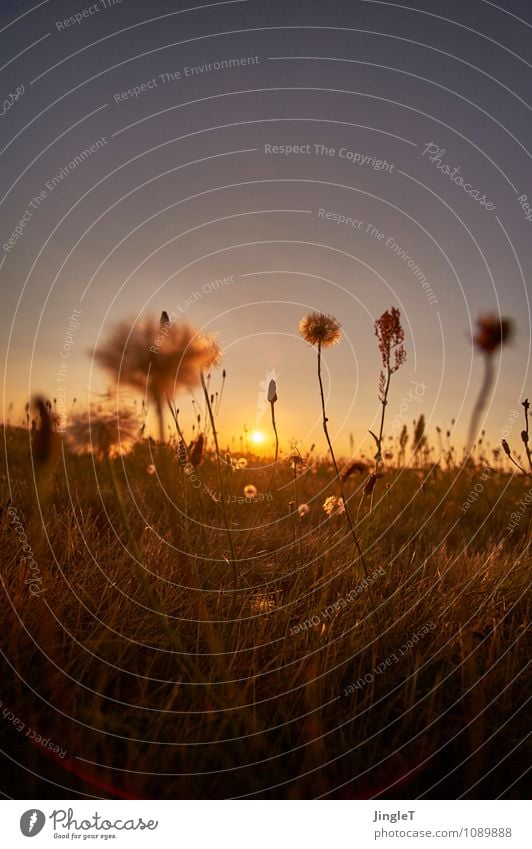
251,706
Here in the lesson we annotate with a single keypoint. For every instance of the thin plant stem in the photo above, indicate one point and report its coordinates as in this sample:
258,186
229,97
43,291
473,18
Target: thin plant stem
298,518
482,399
337,473
525,434
160,418
222,493
378,439
274,425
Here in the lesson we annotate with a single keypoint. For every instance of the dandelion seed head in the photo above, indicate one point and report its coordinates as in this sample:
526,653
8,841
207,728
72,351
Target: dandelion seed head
157,357
250,491
319,328
303,510
102,431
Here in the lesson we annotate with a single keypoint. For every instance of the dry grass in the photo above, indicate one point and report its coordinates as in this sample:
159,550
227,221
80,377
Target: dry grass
172,698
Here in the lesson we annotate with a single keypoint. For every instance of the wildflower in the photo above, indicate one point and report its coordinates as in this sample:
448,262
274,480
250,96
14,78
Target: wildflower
492,332
150,469
157,357
389,332
104,432
334,506
319,328
296,462
303,510
241,463
250,491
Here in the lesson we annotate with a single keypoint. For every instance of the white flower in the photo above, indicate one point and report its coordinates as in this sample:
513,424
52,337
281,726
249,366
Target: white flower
334,506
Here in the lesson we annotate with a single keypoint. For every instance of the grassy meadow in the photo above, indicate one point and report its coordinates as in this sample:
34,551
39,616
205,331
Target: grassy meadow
173,642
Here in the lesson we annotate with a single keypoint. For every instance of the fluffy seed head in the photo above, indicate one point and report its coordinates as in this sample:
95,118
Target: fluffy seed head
334,506
492,332
157,357
319,328
103,431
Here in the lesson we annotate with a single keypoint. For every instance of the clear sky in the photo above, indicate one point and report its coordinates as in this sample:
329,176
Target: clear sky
201,162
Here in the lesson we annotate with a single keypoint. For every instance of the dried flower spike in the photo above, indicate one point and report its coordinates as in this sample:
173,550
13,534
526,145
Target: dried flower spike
389,332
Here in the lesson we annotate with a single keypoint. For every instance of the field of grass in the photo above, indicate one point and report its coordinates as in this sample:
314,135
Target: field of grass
161,667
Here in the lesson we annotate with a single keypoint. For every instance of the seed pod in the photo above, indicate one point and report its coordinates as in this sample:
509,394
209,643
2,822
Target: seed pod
196,450
370,484
272,392
43,436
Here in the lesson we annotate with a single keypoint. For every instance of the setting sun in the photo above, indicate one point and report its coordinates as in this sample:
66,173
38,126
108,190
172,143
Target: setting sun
257,437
